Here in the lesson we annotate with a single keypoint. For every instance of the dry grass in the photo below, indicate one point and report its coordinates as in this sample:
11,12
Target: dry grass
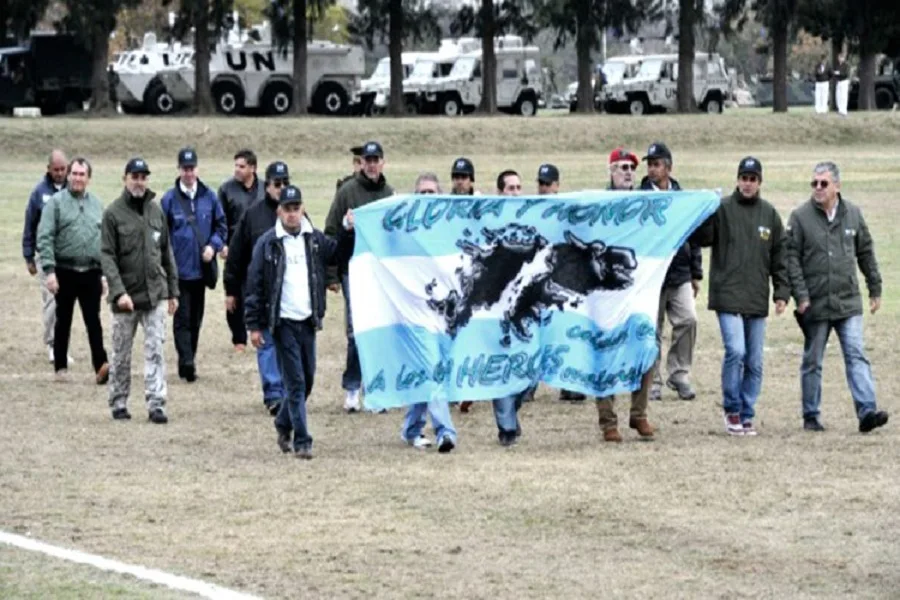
693,514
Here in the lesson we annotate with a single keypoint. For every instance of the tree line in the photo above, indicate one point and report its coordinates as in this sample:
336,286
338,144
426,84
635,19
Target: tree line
865,27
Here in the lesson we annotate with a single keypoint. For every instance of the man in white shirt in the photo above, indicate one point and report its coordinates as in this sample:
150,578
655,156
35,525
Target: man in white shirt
286,295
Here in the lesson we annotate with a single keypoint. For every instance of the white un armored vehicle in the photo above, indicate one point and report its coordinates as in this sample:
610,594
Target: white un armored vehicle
138,89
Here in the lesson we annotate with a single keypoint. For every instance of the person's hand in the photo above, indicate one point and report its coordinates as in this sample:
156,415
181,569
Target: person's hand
803,307
208,254
173,306
874,305
230,303
124,303
780,306
256,338
334,287
52,283
32,268
349,219
224,253
104,287
695,283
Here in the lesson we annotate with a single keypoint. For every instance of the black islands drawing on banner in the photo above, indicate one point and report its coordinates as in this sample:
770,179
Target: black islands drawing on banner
539,276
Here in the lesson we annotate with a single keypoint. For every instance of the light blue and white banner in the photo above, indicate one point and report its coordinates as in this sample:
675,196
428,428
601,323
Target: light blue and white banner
474,298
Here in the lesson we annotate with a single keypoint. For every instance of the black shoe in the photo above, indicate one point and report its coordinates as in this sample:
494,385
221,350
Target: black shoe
507,438
812,425
190,374
684,390
446,445
872,421
158,416
121,414
569,396
284,440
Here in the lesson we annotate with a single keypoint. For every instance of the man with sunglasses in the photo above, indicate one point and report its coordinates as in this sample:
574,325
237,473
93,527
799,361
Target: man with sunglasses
748,249
827,239
680,287
366,186
257,220
622,166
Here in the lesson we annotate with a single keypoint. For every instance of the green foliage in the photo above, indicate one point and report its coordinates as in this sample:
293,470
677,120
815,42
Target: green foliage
371,24
566,17
18,17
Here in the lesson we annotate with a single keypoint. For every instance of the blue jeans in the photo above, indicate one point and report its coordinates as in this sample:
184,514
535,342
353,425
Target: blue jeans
351,380
742,368
506,410
269,371
856,365
295,342
441,422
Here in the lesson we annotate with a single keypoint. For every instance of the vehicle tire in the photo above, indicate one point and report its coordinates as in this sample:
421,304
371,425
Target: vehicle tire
229,98
638,106
884,99
159,100
331,99
451,106
278,99
712,105
526,105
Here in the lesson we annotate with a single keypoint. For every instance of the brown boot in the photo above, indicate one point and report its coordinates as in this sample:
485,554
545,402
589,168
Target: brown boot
465,405
612,435
642,425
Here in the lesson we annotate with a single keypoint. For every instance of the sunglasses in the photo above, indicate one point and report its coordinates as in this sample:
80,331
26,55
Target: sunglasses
280,182
819,184
626,167
749,178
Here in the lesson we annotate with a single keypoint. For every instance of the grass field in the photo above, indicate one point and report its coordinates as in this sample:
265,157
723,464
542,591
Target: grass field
692,514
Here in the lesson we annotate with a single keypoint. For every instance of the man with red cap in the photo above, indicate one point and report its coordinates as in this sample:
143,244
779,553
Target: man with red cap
622,165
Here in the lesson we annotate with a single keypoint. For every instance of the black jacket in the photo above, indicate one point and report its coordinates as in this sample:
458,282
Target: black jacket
257,220
266,275
236,199
687,264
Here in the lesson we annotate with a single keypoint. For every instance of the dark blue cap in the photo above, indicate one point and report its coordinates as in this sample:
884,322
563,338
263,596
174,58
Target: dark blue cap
187,157
372,149
137,165
290,194
548,174
277,170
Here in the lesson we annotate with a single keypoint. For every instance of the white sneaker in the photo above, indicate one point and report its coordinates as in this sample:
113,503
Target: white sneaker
50,355
420,443
351,402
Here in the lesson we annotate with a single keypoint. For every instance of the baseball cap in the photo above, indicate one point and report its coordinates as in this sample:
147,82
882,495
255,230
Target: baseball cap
277,170
372,149
620,154
658,150
290,194
356,150
547,174
187,157
137,165
750,165
463,166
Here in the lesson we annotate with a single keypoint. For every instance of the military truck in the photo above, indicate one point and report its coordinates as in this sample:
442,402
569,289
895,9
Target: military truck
519,82
51,71
139,88
654,88
363,102
887,85
253,78
613,71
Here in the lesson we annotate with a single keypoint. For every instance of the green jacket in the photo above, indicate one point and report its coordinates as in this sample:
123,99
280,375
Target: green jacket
357,191
136,252
68,235
748,248
822,260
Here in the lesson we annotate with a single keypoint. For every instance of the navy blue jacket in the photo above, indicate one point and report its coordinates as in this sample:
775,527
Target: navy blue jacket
36,201
687,264
210,222
262,305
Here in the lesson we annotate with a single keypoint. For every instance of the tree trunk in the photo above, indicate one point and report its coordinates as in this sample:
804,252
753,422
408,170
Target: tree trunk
867,64
395,50
687,17
300,100
100,102
779,56
585,69
203,103
837,46
488,59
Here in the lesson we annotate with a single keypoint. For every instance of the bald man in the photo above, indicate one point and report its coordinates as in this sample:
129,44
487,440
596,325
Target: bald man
53,181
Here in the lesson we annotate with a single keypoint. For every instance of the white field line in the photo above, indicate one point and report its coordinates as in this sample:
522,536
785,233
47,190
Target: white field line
176,582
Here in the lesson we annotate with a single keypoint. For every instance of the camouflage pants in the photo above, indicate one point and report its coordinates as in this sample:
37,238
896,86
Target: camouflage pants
124,327
48,305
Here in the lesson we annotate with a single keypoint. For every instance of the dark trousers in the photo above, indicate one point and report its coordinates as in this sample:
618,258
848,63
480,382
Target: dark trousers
295,343
86,287
188,319
236,322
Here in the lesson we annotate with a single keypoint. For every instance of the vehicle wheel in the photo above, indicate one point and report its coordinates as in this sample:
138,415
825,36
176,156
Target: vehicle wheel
278,98
331,99
638,106
229,98
450,106
884,99
160,101
713,105
526,106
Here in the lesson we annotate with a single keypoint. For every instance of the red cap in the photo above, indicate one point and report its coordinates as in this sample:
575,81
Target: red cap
620,154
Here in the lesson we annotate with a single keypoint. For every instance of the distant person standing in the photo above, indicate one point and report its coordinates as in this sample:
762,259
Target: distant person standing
823,78
842,89
547,179
69,245
143,281
236,195
462,176
197,231
53,181
356,151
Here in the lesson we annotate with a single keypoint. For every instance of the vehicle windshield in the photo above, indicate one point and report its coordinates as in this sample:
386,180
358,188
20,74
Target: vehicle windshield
650,69
423,69
614,71
383,70
464,67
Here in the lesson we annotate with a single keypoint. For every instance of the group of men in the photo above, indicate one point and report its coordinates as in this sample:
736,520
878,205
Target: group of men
152,258
824,76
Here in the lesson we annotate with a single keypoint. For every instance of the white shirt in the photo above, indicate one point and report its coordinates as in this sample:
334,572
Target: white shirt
831,214
296,303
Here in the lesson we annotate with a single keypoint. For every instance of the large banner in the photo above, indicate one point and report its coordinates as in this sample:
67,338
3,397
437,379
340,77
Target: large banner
474,298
